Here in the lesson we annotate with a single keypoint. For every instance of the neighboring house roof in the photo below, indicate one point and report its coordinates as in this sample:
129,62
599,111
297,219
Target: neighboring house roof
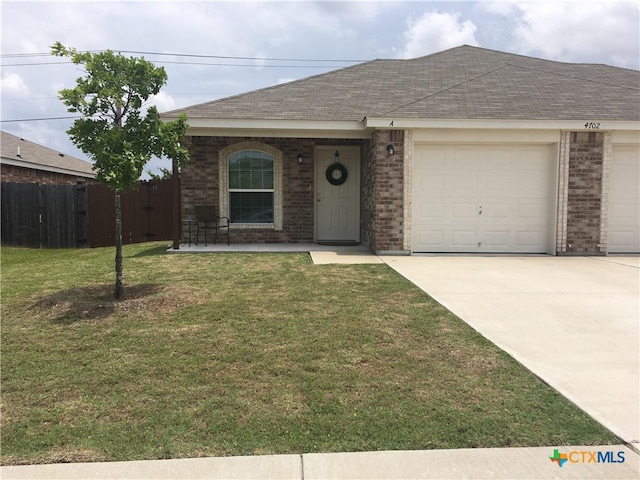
23,153
461,83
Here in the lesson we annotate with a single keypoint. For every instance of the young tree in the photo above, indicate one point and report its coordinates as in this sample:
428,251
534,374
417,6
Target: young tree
115,129
163,174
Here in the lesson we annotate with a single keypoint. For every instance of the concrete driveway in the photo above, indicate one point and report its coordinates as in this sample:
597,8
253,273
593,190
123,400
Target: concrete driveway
573,321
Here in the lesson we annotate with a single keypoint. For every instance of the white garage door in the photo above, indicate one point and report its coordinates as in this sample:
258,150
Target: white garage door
481,198
624,200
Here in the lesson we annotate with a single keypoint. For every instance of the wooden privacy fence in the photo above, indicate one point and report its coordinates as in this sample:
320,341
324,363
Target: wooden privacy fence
43,216
146,214
72,216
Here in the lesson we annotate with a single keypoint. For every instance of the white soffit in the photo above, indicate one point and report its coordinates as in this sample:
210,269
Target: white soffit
277,128
363,128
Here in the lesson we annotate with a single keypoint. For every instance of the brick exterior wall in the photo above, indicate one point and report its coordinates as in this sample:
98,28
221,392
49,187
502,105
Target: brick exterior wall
367,196
581,205
200,184
13,173
389,196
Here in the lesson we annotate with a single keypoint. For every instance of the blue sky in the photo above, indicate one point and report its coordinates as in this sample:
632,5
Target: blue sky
319,35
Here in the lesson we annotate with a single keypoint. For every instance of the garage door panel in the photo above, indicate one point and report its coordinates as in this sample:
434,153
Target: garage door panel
623,241
493,211
531,183
497,183
437,158
465,240
433,183
433,238
496,198
464,211
495,239
529,158
624,200
497,159
528,239
462,159
466,184
431,212
623,213
533,212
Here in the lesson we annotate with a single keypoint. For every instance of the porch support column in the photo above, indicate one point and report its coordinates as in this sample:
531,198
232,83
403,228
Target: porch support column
175,206
389,201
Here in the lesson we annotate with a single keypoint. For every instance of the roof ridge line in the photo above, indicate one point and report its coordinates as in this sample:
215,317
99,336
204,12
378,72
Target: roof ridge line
446,89
577,77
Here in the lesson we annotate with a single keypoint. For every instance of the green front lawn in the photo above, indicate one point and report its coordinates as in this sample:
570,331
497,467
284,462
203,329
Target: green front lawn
241,354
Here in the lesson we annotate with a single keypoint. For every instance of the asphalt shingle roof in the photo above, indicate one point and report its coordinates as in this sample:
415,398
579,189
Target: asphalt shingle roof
461,83
38,156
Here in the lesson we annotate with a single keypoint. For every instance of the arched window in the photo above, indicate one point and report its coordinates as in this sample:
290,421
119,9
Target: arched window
250,181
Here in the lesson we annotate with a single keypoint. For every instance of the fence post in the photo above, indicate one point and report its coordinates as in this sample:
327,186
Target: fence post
82,217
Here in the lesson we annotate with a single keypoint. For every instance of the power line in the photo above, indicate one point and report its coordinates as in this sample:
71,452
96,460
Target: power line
189,55
167,62
35,119
33,64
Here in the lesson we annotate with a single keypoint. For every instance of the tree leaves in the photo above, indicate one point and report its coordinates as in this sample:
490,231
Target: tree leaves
116,130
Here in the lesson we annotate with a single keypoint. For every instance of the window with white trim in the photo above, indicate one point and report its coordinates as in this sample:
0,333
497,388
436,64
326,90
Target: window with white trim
251,187
246,190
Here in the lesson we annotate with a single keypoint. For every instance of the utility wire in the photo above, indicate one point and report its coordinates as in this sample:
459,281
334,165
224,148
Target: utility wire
224,57
35,119
166,62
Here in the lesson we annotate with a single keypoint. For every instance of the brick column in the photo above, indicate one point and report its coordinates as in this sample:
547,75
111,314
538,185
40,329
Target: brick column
389,213
582,171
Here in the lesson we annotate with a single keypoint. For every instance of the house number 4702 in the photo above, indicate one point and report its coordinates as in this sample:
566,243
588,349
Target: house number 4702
592,126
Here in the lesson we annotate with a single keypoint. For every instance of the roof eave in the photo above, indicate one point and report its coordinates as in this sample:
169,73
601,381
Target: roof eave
46,168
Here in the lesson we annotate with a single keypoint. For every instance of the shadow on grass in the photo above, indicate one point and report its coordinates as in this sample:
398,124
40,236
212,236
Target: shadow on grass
96,302
152,251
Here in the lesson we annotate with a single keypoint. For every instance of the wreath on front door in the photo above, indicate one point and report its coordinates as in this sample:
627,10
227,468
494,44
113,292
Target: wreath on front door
336,174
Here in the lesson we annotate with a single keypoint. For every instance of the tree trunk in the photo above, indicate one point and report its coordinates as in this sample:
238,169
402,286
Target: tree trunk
118,293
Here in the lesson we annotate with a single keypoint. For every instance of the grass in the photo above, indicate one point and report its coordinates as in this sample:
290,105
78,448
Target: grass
241,354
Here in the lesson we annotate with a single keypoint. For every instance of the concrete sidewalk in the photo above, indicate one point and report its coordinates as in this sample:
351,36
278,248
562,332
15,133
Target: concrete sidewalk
573,321
491,463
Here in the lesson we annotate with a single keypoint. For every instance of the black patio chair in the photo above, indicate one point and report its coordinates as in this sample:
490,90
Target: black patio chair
207,219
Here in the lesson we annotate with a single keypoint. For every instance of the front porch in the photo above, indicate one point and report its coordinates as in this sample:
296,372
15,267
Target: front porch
320,254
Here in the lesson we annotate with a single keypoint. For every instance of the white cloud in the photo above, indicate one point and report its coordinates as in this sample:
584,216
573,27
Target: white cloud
606,32
436,31
163,101
502,8
13,85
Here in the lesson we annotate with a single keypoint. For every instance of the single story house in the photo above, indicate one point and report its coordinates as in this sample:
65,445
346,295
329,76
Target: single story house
22,161
467,150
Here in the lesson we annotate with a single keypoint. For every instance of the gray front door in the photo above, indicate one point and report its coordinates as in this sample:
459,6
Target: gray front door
337,194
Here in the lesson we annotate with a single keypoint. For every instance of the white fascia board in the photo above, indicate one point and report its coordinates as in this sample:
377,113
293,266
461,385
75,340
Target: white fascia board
276,128
570,125
46,168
